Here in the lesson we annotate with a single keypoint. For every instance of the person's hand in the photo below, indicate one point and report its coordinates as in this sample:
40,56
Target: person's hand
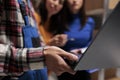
55,62
58,40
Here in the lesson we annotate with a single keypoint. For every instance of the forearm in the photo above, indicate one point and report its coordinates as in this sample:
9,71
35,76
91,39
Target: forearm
36,58
14,61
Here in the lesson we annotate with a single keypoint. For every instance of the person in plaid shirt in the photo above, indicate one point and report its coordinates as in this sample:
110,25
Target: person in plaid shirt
14,58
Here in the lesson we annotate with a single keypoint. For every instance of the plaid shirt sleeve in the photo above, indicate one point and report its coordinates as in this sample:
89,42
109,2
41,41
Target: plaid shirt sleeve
14,58
14,61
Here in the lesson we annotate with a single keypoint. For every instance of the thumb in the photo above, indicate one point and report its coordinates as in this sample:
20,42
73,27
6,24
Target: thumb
69,56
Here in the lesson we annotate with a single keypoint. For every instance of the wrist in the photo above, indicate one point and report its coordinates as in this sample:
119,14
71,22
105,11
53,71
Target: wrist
45,50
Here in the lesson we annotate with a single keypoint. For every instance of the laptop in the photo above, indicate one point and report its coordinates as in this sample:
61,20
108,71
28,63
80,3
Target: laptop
104,50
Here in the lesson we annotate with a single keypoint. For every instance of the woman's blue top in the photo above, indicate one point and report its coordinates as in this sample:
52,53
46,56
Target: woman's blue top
77,37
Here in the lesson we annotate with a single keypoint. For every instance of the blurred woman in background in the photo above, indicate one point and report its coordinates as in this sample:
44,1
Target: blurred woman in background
49,15
79,30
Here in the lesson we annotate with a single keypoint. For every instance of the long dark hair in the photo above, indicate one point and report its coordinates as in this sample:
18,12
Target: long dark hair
43,11
67,13
55,24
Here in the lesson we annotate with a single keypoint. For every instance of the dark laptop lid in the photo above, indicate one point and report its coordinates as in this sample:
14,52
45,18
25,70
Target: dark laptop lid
104,51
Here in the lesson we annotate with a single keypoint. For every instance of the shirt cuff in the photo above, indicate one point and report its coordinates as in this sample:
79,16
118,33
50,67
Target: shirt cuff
36,58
